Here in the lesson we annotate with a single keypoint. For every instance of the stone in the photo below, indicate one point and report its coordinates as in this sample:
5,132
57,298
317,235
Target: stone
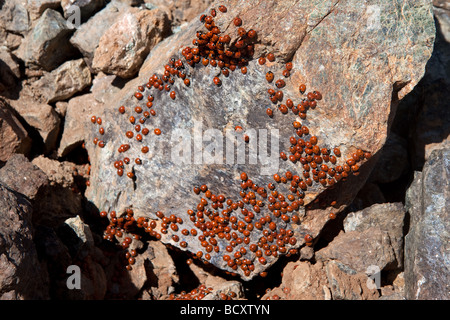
302,281
38,7
427,242
63,82
40,116
360,251
87,8
124,46
81,108
14,137
9,70
20,175
47,44
86,38
181,11
355,112
348,285
387,217
21,276
58,172
14,17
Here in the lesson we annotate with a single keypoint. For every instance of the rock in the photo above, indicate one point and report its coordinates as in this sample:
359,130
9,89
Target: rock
37,7
20,175
181,11
355,112
162,272
65,81
58,172
40,116
124,46
87,37
393,161
427,242
387,217
9,69
360,250
81,108
14,17
21,277
87,7
302,281
349,285
13,135
47,45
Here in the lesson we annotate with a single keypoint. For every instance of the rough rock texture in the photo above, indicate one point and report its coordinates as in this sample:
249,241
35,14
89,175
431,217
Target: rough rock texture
13,135
9,69
181,11
81,108
319,281
427,242
22,176
87,37
21,276
65,81
355,112
388,217
47,45
14,17
40,116
37,7
124,46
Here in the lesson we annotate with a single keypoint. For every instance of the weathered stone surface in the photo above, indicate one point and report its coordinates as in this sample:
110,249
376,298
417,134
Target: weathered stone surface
302,281
37,7
427,254
360,250
87,37
14,16
40,116
346,284
20,175
388,217
13,135
180,11
47,45
81,108
21,277
65,81
9,70
87,7
124,46
355,111
58,172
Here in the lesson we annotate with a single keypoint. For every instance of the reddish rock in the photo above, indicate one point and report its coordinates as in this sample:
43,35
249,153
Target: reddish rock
13,135
21,276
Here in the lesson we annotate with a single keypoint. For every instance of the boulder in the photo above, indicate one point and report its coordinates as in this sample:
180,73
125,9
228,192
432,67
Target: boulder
62,83
47,44
21,275
14,137
124,46
427,242
355,113
86,38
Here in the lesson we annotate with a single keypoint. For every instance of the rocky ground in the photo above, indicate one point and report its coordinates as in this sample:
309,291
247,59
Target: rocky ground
382,234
